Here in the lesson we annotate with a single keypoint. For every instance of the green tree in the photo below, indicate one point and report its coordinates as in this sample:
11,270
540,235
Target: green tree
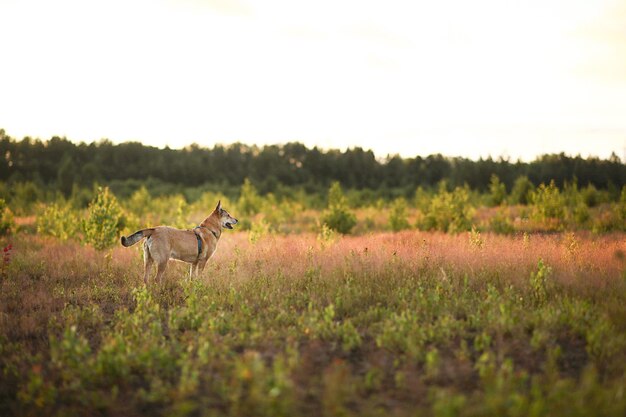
58,220
65,176
621,208
398,216
7,225
338,217
591,196
522,188
497,191
104,221
249,202
548,203
448,211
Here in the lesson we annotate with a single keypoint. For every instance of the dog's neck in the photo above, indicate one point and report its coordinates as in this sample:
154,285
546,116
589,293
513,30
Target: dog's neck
214,224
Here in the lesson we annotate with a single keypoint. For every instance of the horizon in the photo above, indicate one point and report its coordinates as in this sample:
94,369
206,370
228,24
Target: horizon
450,78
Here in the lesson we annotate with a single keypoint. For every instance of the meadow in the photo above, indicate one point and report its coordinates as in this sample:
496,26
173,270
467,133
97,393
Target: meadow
403,324
450,303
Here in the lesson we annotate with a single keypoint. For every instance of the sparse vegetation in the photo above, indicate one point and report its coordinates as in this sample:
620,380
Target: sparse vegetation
289,325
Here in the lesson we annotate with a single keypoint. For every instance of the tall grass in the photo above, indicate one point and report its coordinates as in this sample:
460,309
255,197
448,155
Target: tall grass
384,324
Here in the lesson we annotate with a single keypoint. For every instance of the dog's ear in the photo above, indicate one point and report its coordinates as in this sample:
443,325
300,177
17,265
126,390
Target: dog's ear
219,205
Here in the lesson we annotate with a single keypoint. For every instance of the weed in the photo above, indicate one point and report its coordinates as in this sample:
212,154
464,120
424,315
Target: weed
475,239
540,282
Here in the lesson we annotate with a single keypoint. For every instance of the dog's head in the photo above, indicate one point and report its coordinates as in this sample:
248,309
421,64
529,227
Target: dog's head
226,220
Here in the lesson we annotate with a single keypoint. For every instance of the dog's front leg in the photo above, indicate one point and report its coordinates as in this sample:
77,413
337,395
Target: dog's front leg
201,265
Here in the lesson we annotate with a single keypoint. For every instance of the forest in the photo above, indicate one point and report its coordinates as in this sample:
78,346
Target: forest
59,164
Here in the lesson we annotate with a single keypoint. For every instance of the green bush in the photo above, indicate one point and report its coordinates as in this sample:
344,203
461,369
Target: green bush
521,191
501,222
398,216
548,203
7,225
422,199
24,196
448,211
613,218
139,202
540,282
580,214
104,221
58,220
249,202
338,217
620,209
497,191
591,196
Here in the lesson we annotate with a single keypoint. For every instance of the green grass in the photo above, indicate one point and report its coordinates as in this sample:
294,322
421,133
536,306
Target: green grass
387,324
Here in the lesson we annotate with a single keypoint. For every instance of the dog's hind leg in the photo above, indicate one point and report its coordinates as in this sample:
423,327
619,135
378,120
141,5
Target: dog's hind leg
160,270
147,262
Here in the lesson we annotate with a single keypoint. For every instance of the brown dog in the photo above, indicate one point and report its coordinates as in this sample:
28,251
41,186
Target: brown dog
194,246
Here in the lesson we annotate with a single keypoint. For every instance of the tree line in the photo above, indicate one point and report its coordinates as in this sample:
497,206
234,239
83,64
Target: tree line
63,164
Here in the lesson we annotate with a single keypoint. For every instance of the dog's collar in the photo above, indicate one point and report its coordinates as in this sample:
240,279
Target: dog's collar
199,242
216,234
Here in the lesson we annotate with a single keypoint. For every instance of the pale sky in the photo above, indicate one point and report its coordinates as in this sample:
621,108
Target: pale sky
479,78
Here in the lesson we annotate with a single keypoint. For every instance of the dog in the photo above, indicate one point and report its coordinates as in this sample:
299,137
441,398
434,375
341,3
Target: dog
195,246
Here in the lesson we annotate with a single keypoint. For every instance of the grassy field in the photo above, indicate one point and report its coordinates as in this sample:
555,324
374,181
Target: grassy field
388,324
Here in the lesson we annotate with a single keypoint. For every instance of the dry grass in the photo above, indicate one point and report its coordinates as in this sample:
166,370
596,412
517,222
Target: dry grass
409,321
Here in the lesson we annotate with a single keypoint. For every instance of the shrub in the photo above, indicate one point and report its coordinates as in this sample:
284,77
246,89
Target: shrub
548,203
621,206
591,196
521,191
581,214
398,217
58,220
326,236
422,199
258,229
180,216
497,191
501,223
139,201
540,282
475,239
606,220
448,212
24,196
7,225
249,201
104,221
570,193
338,217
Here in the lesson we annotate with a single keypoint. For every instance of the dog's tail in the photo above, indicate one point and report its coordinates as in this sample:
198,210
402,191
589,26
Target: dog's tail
136,237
